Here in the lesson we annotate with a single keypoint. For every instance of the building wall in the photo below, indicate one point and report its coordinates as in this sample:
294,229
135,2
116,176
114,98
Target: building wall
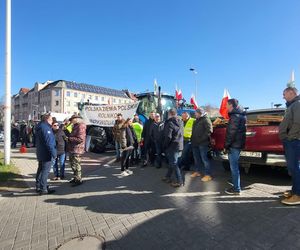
56,99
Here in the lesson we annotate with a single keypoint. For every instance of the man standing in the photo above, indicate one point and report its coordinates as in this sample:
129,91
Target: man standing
15,133
289,133
173,145
45,152
76,147
148,147
235,141
156,136
138,129
188,122
201,132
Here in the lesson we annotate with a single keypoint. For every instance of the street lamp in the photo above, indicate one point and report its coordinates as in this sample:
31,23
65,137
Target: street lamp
196,87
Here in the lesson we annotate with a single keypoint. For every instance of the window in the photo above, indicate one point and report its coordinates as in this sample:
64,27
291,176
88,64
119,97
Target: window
96,98
75,94
120,101
90,97
56,103
57,92
83,96
114,100
102,99
68,103
75,104
68,93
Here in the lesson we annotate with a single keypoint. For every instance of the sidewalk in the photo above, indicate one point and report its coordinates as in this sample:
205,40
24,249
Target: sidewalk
141,212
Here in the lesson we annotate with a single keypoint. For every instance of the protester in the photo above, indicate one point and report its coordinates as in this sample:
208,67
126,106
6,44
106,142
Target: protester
67,127
184,161
119,122
156,135
148,145
136,118
200,139
235,139
23,134
126,140
59,172
76,147
289,133
15,133
46,153
138,129
173,145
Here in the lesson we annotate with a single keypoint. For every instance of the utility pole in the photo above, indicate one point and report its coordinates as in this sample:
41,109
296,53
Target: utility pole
7,105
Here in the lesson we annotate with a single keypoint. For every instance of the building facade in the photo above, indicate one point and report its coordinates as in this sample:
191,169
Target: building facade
62,97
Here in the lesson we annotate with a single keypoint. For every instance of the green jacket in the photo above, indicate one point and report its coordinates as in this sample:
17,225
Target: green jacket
289,128
202,129
138,129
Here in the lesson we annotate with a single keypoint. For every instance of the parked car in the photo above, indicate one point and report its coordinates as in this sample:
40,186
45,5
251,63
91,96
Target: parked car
263,146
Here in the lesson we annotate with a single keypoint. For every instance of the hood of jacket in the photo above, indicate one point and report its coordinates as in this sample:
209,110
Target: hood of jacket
297,98
236,110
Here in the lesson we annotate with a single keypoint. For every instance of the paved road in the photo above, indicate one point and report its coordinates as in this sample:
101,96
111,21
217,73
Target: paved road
141,212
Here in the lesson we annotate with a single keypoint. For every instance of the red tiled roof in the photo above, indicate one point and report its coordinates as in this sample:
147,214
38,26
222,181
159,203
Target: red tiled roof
24,90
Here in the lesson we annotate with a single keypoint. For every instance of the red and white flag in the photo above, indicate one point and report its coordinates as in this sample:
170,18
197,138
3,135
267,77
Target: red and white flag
178,94
194,102
223,108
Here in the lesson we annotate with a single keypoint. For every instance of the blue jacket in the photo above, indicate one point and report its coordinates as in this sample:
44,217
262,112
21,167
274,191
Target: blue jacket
45,142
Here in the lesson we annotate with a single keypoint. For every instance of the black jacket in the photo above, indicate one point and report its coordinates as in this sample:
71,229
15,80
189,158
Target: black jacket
173,134
236,130
147,130
157,131
134,137
129,136
202,129
60,141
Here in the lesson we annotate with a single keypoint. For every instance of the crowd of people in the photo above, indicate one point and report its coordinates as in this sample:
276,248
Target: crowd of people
180,141
177,141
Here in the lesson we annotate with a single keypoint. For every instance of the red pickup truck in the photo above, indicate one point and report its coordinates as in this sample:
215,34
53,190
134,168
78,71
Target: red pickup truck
263,146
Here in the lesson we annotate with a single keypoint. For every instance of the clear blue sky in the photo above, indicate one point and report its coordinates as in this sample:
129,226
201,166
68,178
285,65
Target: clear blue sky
247,46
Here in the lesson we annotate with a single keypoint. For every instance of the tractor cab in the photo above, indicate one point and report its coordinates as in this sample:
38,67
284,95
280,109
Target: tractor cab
151,102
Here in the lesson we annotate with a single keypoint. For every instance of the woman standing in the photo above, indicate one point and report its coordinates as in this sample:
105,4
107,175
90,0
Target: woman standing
126,141
61,152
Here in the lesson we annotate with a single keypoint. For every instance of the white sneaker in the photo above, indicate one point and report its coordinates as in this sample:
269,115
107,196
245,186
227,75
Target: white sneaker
124,173
129,172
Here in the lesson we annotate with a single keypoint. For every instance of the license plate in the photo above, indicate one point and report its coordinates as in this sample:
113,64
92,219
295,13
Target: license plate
251,154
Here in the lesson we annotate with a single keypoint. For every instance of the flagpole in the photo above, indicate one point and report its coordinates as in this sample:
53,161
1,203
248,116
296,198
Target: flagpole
7,107
196,83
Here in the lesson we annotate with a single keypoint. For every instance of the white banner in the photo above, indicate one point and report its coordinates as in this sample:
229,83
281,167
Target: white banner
106,115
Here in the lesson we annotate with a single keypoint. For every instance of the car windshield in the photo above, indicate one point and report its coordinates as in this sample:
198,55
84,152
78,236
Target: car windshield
149,103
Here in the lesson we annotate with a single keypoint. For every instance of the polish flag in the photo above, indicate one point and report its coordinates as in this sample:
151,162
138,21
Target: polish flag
178,95
194,102
223,108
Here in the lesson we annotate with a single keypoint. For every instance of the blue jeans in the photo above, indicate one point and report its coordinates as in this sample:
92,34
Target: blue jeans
158,152
233,156
42,175
173,165
184,159
292,155
118,146
61,160
200,154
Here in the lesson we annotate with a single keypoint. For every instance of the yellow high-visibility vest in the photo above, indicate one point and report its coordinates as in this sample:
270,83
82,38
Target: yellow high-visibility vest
187,131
